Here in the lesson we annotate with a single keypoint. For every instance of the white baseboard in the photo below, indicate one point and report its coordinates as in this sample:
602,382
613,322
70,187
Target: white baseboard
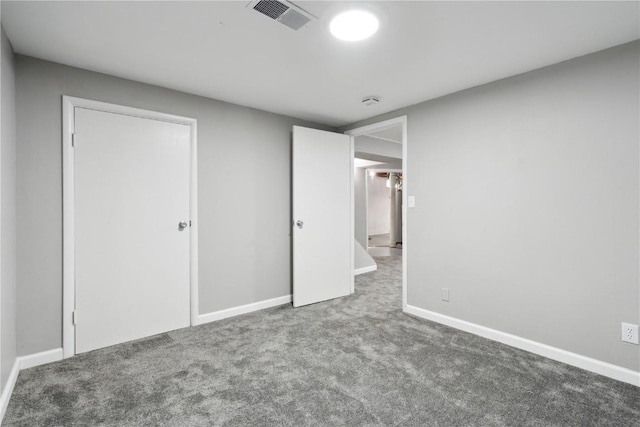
365,269
24,362
593,365
42,358
243,309
8,388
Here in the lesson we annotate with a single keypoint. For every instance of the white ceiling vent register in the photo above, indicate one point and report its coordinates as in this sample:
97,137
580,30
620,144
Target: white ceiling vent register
283,12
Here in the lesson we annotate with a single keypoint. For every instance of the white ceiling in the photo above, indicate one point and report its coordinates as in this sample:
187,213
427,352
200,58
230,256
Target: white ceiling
226,51
392,134
364,163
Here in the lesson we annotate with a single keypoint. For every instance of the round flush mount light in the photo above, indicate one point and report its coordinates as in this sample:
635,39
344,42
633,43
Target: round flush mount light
354,25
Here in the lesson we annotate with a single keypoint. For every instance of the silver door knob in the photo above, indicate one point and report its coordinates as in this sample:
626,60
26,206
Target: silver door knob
182,225
300,224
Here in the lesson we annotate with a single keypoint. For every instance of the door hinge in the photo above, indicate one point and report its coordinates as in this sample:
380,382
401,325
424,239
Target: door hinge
189,223
74,317
73,139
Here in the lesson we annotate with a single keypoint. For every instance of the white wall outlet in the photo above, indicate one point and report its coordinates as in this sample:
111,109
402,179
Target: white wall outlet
630,333
445,294
411,201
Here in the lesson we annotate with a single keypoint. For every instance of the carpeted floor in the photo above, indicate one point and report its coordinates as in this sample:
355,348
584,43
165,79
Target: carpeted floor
355,361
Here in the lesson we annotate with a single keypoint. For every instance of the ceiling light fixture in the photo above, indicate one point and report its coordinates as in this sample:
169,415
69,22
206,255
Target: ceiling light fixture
354,25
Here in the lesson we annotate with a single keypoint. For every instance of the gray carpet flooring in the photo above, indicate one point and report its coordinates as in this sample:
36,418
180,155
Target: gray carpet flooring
354,361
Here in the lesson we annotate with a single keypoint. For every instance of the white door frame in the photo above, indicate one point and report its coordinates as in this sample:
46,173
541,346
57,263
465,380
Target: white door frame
366,189
402,120
68,206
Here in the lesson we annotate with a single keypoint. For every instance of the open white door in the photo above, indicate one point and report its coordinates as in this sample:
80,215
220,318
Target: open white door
322,215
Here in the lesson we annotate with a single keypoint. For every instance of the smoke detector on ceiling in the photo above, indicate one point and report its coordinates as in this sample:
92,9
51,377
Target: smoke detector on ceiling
284,12
371,100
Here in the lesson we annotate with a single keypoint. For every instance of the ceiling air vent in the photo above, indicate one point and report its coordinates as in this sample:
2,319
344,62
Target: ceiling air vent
283,12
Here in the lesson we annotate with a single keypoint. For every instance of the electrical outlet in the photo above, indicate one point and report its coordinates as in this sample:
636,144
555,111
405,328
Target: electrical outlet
630,333
445,294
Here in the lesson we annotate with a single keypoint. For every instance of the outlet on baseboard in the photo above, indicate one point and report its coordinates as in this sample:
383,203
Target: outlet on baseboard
445,294
630,333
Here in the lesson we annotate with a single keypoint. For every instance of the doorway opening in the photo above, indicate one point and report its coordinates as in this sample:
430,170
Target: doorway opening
380,163
383,213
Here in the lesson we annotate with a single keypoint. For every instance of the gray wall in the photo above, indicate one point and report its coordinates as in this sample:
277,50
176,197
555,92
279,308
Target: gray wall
360,206
7,212
527,204
244,207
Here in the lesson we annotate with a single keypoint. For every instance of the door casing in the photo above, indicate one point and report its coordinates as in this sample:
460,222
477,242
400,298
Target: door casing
68,206
402,120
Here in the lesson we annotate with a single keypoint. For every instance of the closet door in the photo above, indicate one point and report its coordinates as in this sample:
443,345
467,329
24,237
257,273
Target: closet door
131,227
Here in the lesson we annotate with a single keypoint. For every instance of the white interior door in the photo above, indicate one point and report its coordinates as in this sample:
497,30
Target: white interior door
131,255
322,215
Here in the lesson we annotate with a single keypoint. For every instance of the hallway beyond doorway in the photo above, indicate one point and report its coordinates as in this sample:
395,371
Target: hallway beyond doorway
379,246
385,251
378,240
